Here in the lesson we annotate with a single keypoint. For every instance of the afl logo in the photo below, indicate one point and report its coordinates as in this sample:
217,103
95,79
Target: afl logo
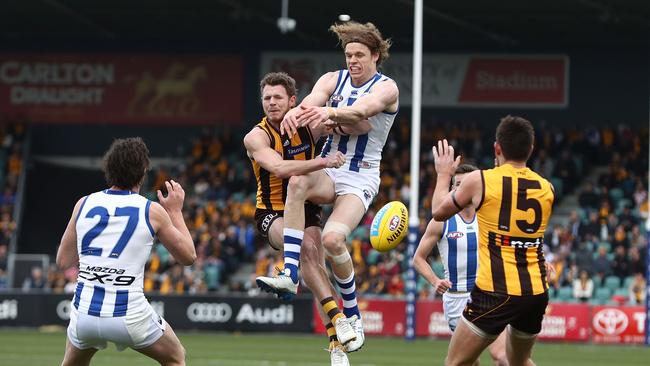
393,223
455,235
610,321
338,98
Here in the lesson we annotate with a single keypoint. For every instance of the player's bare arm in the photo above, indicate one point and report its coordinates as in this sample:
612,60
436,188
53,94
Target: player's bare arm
429,240
382,97
331,127
67,255
445,204
321,91
169,225
258,147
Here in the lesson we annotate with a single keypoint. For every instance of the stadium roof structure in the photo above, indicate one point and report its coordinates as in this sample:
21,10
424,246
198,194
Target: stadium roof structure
507,24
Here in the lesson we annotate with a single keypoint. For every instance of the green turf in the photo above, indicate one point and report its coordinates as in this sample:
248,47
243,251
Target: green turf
32,348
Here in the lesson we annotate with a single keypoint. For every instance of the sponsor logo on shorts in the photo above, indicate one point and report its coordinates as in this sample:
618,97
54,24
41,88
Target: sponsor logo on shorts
367,195
267,221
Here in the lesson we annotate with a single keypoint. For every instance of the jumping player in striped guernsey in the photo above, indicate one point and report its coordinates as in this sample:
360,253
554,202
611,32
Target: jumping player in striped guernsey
458,245
275,158
109,236
513,205
341,98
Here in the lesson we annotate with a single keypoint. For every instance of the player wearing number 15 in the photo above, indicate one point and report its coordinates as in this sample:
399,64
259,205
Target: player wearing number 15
109,236
513,205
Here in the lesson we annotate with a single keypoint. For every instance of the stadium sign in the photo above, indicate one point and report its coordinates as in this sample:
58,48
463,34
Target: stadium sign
449,80
121,88
625,324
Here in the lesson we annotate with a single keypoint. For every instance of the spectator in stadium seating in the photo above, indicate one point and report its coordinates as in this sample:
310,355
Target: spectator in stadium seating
636,262
620,265
637,290
35,281
619,239
583,287
584,257
588,198
602,265
593,225
626,218
575,227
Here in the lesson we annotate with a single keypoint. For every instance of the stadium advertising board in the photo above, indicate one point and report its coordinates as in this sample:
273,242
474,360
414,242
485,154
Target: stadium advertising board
613,324
450,80
183,312
380,317
566,322
71,88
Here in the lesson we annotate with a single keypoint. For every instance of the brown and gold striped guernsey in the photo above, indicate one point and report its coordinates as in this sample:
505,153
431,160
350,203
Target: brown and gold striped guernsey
271,190
512,218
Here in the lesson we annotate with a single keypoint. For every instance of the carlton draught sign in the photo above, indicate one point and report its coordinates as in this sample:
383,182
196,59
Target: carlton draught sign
121,89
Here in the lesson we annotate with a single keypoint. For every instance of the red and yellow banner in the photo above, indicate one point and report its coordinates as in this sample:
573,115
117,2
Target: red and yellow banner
121,88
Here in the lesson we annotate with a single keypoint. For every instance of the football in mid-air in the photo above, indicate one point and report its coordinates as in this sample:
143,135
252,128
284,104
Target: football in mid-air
389,227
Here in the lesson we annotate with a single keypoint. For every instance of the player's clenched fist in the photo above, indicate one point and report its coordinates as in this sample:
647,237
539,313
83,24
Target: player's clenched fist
335,161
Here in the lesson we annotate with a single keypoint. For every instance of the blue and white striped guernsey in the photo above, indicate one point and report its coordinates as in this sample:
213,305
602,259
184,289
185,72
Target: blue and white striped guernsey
459,252
363,152
114,239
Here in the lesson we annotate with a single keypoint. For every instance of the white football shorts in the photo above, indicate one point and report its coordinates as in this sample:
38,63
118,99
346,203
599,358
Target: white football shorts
364,186
138,330
453,305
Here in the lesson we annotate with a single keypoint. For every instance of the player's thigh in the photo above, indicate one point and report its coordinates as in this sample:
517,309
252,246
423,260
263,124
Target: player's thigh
348,210
519,347
318,187
466,345
167,350
498,349
275,233
77,357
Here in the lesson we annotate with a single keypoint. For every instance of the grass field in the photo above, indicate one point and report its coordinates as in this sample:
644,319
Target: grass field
33,348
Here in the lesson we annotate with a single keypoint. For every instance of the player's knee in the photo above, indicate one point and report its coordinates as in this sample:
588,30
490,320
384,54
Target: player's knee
500,358
333,243
297,186
309,252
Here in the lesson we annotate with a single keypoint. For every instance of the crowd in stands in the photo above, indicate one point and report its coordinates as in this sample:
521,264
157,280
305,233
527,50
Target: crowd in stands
597,249
11,151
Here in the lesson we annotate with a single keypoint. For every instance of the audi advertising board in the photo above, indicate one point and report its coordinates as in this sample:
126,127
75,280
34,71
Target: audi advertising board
232,313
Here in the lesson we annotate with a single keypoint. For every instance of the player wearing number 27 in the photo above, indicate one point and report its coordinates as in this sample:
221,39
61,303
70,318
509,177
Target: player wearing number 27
109,236
513,205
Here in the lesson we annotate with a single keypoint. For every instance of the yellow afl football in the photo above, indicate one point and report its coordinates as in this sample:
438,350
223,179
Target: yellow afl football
389,227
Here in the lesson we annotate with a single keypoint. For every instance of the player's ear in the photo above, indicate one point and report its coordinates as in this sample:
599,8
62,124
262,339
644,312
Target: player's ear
292,101
375,56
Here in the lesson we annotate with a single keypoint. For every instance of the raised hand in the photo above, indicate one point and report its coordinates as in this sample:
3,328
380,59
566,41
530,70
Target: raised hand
289,124
175,196
443,156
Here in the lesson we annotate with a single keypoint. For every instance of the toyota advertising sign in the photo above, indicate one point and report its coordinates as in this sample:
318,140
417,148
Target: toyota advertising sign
612,324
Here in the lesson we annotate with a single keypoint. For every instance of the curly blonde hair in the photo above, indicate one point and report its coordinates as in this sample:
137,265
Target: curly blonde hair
366,34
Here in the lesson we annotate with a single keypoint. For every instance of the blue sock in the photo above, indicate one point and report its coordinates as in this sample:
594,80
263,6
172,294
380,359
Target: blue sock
349,295
292,242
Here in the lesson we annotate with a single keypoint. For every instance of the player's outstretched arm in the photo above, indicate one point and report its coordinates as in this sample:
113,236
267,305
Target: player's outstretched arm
168,223
257,145
427,243
331,127
67,255
382,97
321,91
445,204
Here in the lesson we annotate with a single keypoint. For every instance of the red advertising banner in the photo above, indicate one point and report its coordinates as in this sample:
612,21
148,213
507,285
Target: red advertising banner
430,320
614,324
517,81
121,88
566,322
380,317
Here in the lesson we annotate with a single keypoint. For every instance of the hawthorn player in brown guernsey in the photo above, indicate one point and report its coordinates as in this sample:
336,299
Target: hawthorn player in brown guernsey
513,206
275,158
